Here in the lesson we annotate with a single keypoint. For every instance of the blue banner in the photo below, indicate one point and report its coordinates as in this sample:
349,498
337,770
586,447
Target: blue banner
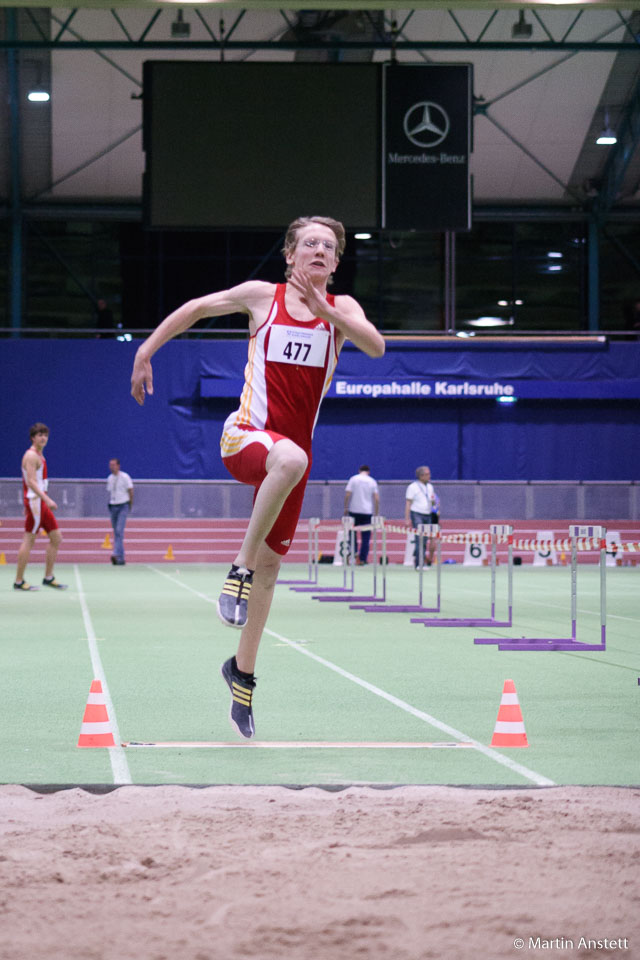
403,388
429,388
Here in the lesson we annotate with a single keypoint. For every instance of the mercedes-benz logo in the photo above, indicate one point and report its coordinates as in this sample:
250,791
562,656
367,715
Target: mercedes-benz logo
426,124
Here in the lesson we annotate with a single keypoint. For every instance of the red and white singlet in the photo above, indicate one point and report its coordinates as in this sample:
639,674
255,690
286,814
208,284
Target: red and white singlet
288,372
37,514
41,479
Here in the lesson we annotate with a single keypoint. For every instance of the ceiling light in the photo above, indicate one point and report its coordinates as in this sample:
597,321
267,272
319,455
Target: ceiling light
507,399
36,87
554,255
490,322
521,30
362,236
607,137
179,28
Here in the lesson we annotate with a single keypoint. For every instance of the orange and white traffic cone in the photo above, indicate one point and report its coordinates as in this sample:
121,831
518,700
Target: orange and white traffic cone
106,543
169,554
509,729
96,728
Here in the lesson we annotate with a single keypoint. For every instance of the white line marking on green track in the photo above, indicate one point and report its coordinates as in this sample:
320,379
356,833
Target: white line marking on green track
512,765
186,586
294,745
421,715
117,756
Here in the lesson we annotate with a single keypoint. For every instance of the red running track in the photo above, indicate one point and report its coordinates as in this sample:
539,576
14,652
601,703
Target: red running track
217,541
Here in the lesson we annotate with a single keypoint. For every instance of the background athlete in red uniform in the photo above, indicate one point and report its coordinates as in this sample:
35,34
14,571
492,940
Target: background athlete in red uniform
258,437
38,507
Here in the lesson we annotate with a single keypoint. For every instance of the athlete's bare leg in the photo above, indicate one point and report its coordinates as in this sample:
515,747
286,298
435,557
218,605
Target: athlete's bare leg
23,555
55,539
285,465
264,580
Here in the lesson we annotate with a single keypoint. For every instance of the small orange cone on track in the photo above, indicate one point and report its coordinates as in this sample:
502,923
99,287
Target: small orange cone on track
96,727
106,544
3,559
169,554
509,729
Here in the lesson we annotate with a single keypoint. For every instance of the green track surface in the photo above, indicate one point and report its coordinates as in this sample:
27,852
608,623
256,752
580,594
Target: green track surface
154,633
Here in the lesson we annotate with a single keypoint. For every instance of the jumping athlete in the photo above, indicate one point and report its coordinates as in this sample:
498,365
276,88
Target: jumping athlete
38,507
296,331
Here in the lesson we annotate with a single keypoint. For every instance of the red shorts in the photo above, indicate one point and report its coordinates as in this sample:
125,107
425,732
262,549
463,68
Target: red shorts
249,466
38,516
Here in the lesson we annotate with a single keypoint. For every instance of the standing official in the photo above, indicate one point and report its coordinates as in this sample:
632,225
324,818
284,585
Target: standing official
120,489
422,505
362,501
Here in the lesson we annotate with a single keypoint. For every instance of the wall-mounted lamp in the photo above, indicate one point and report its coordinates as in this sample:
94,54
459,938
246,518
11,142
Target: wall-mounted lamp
490,322
607,137
521,30
38,92
180,29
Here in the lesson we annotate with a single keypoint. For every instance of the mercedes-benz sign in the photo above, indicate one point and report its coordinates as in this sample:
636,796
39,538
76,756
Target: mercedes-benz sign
426,124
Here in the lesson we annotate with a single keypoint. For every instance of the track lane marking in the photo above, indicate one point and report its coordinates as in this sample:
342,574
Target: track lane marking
491,754
119,764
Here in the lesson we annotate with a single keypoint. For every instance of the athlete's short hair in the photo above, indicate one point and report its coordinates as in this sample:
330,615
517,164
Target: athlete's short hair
38,428
291,236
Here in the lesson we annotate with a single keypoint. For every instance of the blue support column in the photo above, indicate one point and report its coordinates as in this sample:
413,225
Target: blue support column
593,275
15,258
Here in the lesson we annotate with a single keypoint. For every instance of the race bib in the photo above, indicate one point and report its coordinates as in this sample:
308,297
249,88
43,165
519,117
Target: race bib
305,348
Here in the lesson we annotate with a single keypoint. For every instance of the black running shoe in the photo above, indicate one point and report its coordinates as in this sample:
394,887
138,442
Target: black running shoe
241,713
23,585
232,602
52,582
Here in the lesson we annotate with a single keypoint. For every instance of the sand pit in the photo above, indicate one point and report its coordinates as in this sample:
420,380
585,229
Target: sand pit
177,873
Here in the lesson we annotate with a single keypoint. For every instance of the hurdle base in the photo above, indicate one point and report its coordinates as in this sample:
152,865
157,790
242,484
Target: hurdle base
453,622
288,583
321,589
394,608
537,644
327,598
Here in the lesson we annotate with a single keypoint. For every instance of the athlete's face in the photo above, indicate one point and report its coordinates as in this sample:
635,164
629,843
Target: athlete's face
316,250
40,440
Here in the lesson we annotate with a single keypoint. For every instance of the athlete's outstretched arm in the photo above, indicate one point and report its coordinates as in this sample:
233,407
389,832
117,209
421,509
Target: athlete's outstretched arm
347,315
241,299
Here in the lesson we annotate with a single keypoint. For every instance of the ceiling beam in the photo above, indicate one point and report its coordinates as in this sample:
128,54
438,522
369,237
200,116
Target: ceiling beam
401,46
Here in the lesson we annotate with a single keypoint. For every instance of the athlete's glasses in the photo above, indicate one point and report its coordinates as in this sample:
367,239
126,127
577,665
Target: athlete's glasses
327,244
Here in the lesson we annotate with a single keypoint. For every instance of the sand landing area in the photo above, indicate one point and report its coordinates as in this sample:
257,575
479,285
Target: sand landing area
409,873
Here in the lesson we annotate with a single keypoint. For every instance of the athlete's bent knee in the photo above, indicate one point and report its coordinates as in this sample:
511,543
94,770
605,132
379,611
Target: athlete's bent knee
288,459
267,570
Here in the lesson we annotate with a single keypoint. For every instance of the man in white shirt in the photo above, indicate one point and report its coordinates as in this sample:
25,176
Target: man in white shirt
120,489
362,501
422,505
